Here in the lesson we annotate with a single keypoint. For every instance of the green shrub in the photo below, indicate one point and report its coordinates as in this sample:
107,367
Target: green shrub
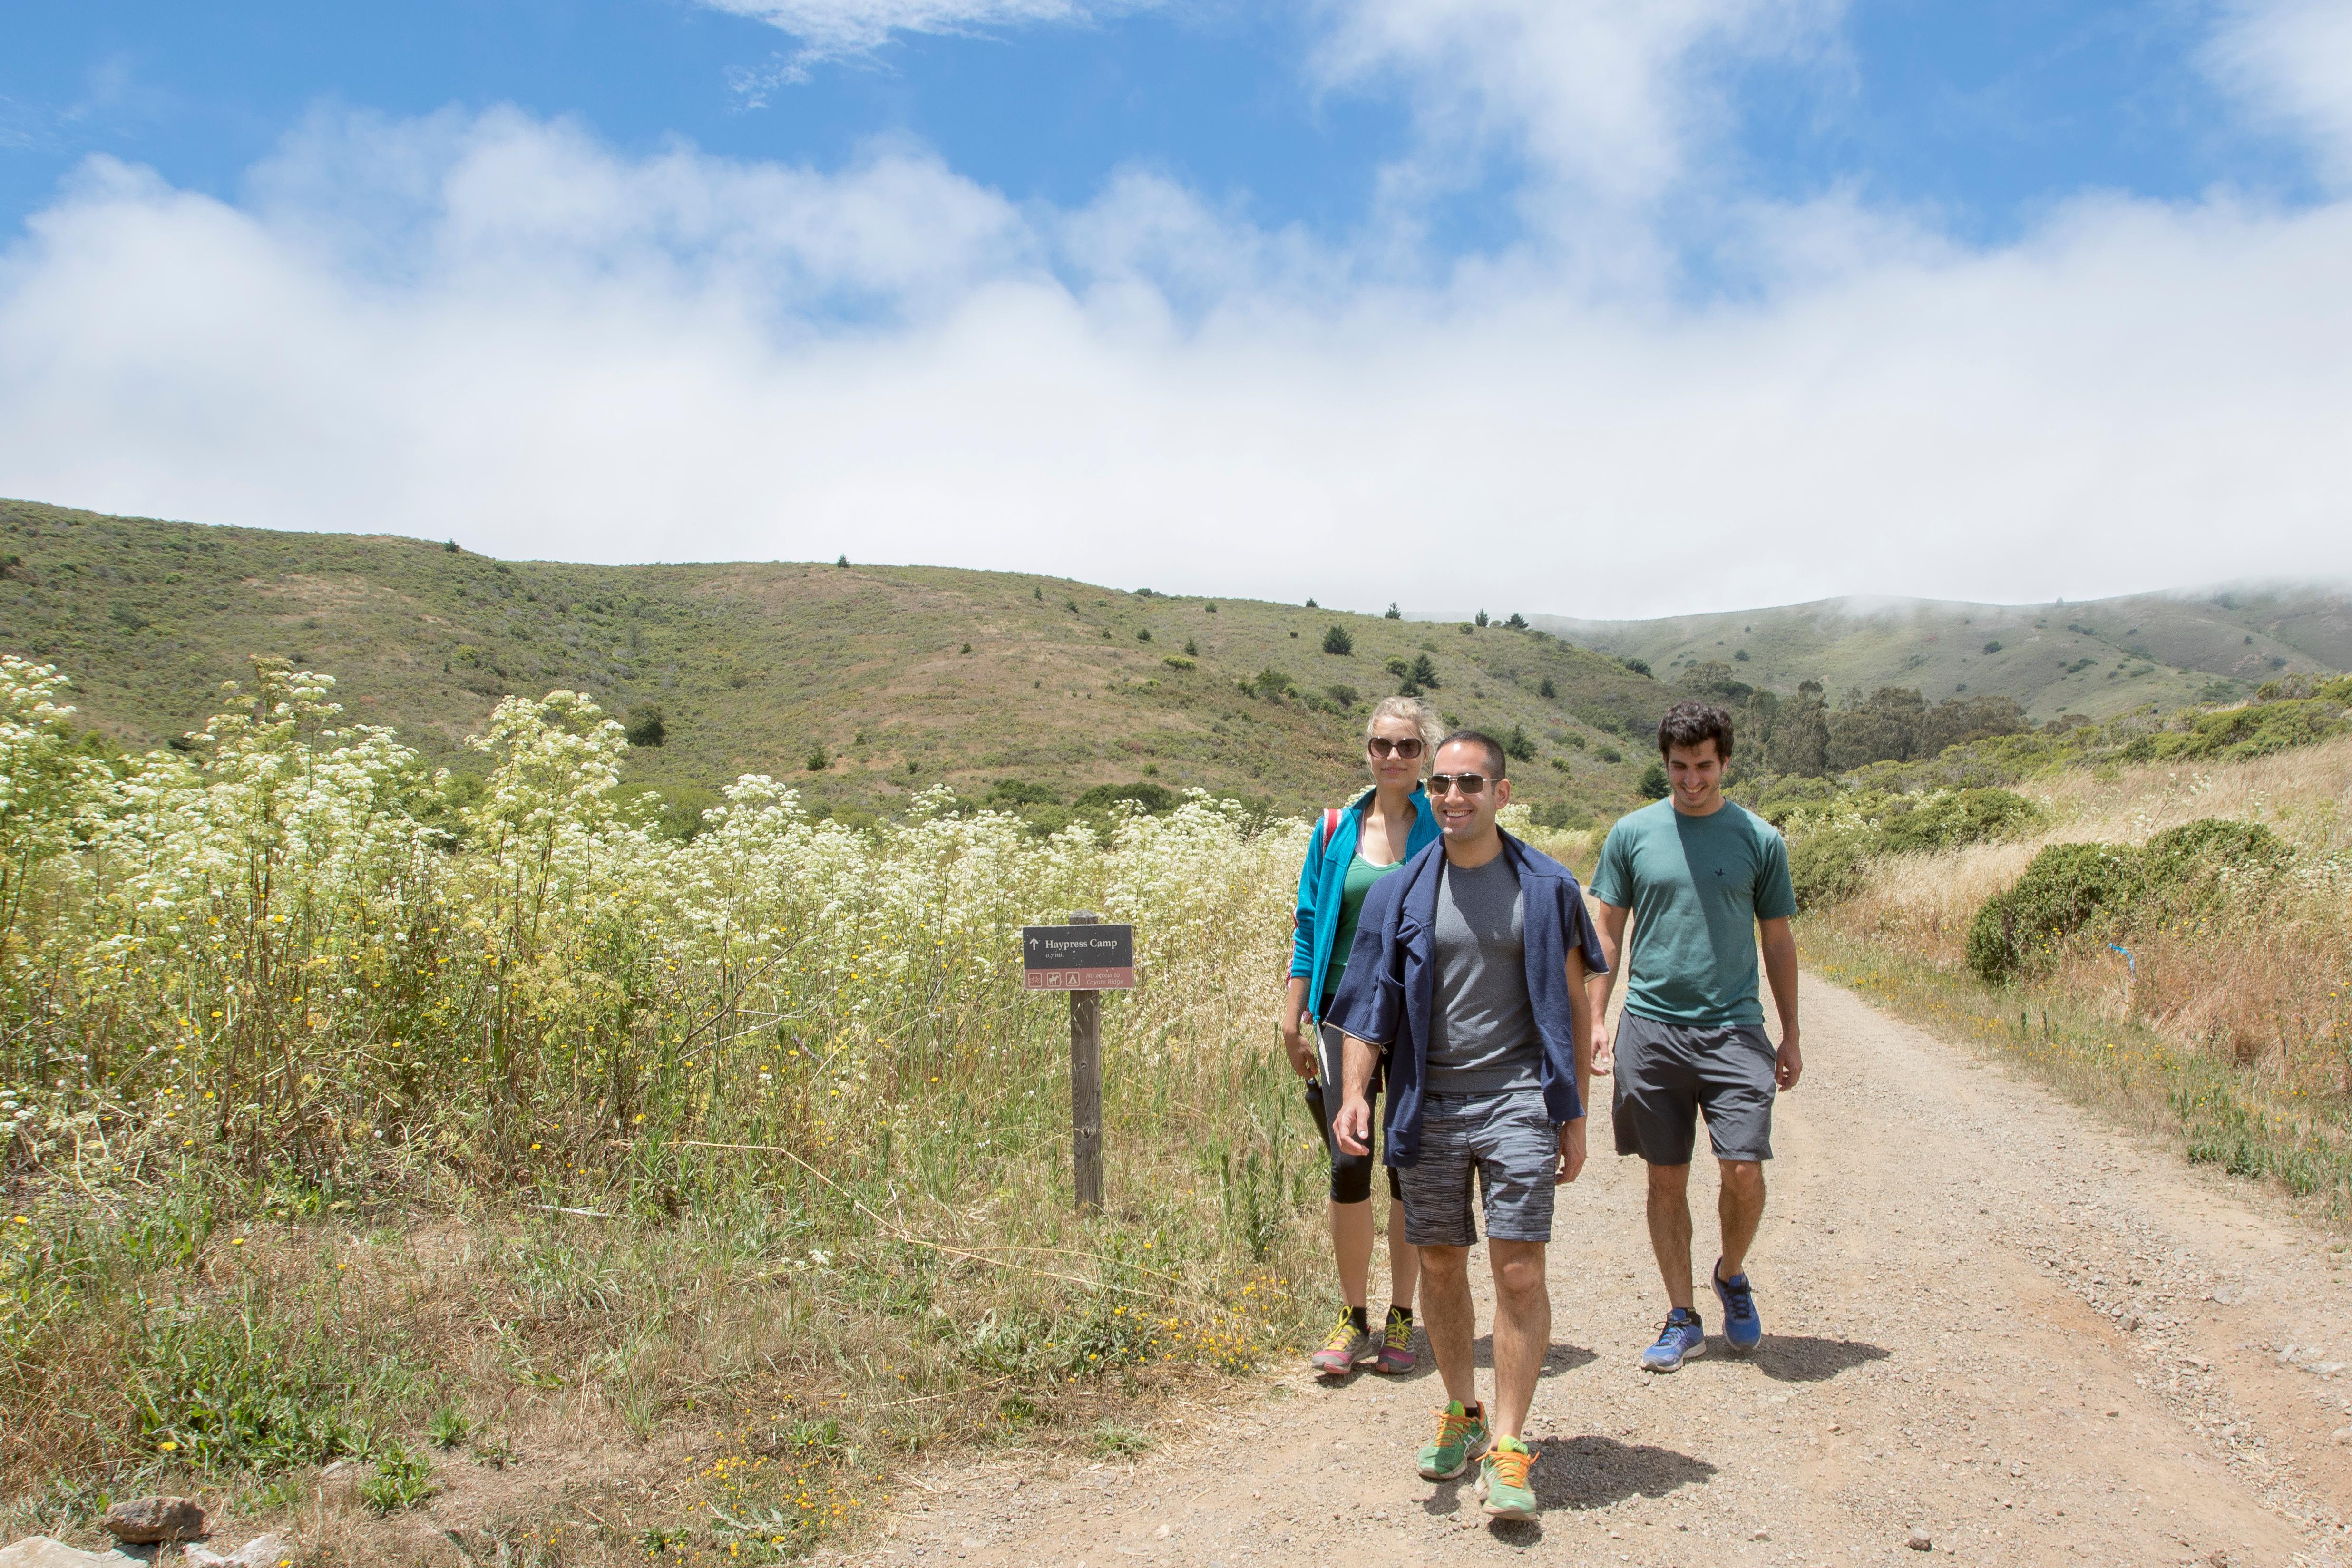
1561,816
1272,682
1343,697
645,727
1543,689
1156,799
1653,786
1949,819
1825,867
1518,746
2234,734
1337,641
2066,888
2189,869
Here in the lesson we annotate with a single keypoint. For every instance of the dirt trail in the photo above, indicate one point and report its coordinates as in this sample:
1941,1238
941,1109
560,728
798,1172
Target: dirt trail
1989,1317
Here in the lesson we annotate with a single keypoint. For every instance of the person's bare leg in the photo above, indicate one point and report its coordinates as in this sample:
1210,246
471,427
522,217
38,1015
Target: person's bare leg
1670,1230
1450,1320
1351,1244
1740,1207
1404,1258
1522,1330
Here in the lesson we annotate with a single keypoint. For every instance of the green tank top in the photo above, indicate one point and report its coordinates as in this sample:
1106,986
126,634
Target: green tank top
1361,875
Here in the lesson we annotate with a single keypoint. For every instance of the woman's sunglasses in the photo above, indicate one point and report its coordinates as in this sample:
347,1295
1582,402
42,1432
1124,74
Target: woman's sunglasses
1380,745
1442,784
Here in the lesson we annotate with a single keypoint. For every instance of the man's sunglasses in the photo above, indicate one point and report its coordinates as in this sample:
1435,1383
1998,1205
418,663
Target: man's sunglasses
1468,783
1380,746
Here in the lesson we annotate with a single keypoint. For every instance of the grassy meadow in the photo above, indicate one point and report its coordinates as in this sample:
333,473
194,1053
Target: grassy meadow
866,685
675,1192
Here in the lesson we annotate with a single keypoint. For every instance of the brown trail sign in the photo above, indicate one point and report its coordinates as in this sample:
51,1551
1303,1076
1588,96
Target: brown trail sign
1085,958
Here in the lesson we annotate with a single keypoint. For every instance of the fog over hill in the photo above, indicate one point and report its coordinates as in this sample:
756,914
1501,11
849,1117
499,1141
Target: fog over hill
2093,657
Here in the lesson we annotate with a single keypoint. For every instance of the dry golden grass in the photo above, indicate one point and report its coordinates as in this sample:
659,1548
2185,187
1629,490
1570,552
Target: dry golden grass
2236,1025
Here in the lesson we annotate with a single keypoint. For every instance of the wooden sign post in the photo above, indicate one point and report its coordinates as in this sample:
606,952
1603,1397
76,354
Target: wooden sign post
1085,958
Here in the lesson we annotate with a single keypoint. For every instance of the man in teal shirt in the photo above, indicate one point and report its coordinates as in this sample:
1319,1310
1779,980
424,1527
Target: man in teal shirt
1699,877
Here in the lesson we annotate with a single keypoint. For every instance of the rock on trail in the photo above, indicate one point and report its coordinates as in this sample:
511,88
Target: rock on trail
1997,1330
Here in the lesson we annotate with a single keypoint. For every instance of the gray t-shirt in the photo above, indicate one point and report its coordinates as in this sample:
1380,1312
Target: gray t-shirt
1482,1027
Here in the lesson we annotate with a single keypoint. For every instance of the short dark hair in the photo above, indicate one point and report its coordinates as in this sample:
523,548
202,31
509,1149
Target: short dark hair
1690,721
1494,756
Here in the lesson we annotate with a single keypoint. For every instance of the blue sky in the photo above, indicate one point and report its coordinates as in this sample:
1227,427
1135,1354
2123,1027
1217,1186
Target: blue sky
1259,279
1984,112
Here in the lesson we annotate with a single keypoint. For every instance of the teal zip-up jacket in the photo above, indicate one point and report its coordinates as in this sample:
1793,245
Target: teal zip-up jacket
1320,881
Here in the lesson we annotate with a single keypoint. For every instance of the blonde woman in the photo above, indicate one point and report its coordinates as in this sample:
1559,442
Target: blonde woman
1352,849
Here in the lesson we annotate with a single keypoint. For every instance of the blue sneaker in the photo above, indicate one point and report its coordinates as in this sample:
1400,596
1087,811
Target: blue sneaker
1683,1337
1743,1331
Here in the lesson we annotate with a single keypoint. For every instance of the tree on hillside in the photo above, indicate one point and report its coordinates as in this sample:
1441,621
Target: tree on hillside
1337,641
1424,673
1882,727
1480,618
643,726
1518,746
1518,622
1394,612
1800,739
1715,683
1956,721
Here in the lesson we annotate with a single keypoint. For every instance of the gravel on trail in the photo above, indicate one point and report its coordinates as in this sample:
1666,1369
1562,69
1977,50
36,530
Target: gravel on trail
1999,1330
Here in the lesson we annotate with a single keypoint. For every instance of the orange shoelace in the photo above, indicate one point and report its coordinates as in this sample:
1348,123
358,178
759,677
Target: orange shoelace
1511,1465
1450,1428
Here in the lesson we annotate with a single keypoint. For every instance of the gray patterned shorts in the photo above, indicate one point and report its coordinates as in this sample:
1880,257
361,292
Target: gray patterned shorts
1509,1142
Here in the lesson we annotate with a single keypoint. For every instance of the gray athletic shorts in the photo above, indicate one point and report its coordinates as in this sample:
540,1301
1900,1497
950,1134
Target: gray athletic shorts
1508,1140
1667,1073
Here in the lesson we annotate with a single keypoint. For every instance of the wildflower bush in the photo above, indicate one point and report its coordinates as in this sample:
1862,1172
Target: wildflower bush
784,1066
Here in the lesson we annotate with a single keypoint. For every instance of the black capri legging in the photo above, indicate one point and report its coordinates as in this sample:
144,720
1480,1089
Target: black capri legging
1351,1175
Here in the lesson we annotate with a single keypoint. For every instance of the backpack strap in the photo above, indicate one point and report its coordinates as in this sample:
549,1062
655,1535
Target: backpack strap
1331,826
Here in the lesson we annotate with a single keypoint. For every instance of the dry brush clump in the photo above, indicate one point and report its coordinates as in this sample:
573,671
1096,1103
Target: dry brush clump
757,1126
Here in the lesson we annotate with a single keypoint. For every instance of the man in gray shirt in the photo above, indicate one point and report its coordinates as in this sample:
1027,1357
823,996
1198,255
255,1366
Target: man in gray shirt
1482,1032
1468,972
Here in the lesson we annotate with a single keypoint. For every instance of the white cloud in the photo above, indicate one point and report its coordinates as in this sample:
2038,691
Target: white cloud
500,329
839,29
1608,98
2292,59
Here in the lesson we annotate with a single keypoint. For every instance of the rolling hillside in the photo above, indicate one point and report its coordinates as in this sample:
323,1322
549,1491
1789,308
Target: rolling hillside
902,677
2095,658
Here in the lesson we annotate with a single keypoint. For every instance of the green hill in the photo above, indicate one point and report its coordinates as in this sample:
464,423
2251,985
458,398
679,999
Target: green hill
903,677
2095,658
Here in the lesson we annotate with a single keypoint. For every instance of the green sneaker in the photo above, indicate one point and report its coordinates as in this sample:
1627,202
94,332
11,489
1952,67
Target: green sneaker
1461,1437
1503,1487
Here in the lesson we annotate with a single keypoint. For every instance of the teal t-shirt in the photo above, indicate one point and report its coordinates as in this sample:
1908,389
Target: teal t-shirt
1361,875
1696,886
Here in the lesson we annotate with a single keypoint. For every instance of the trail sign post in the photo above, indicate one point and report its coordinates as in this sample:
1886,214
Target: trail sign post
1085,958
